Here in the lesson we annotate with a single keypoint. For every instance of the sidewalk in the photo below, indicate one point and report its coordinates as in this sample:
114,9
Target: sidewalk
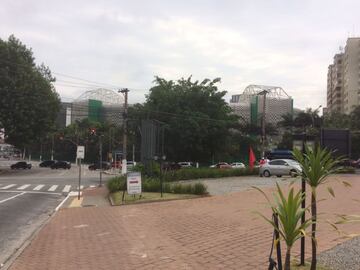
219,232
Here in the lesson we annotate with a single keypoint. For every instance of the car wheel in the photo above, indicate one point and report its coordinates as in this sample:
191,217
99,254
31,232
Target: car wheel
293,173
266,173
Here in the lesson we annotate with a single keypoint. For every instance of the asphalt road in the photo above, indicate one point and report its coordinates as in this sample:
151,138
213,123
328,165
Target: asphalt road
28,197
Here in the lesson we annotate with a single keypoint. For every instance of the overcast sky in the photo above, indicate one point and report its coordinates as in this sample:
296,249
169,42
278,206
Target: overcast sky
126,43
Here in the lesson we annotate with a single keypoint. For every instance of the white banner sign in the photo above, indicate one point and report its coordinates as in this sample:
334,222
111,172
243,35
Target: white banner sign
134,183
80,152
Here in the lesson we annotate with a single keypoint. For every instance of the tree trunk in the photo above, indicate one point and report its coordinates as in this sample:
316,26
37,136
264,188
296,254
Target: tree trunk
313,230
287,259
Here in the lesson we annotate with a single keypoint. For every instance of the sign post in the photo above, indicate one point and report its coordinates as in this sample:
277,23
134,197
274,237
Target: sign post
133,181
80,154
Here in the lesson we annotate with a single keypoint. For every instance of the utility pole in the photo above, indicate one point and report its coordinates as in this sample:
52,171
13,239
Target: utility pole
100,159
263,131
52,147
133,153
124,91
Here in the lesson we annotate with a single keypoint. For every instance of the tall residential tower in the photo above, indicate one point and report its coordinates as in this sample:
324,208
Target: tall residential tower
343,80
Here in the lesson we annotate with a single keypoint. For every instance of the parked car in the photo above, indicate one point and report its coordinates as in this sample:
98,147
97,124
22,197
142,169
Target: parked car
61,165
21,165
238,165
186,164
221,165
96,166
280,167
47,163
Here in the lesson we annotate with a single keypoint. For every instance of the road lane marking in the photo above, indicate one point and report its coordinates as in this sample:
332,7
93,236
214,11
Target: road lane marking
9,186
31,192
67,188
13,197
53,188
23,187
38,187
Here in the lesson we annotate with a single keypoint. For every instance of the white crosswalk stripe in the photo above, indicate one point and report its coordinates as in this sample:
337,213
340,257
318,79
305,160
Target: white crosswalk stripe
38,187
23,187
9,186
53,188
67,188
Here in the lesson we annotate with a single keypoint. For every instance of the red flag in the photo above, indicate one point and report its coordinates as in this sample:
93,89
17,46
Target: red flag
252,158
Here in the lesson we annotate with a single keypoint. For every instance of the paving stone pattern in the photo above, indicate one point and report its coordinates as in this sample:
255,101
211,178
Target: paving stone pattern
219,232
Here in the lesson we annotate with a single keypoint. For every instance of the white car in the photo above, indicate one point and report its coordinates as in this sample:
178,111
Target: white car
238,165
185,164
280,167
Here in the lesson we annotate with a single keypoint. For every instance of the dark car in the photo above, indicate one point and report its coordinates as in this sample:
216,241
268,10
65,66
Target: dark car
279,154
21,165
47,163
105,166
61,165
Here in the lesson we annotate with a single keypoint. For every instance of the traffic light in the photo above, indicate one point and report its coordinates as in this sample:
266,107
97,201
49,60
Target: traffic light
92,131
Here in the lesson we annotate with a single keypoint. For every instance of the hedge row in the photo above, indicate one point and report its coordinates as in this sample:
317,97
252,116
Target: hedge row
198,173
153,185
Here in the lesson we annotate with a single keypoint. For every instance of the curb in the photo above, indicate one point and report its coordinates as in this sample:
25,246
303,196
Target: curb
165,200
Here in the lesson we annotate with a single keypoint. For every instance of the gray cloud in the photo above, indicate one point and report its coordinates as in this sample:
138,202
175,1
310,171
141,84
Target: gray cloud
127,43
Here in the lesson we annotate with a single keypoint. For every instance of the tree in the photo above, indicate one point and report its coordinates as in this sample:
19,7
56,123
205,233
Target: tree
316,166
29,103
289,213
196,116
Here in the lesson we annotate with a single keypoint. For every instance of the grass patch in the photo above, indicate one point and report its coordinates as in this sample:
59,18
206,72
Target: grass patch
147,197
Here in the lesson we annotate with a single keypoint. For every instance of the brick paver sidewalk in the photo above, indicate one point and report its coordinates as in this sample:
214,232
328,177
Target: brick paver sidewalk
219,232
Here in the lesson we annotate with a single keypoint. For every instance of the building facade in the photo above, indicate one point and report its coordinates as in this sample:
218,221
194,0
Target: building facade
250,104
99,105
343,79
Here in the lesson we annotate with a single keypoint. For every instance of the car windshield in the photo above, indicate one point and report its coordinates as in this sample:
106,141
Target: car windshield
292,162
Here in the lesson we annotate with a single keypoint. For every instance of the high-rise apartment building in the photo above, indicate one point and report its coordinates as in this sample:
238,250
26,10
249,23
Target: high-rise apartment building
343,80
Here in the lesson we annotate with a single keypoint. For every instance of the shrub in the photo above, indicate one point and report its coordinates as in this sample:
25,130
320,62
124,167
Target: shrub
153,185
197,173
200,189
116,184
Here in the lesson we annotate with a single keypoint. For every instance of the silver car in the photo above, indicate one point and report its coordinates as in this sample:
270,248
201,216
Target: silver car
280,167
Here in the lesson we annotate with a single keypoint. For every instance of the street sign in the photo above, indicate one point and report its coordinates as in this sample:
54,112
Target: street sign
134,183
80,152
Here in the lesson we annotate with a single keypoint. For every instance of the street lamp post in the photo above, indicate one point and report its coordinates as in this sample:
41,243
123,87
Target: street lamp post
263,121
125,92
100,158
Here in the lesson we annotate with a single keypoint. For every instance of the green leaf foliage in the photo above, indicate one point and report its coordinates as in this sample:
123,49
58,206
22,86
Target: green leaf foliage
28,103
316,165
196,116
289,212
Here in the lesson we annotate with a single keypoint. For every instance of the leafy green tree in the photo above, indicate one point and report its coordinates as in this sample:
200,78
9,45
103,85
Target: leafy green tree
316,166
289,213
79,133
196,116
355,119
28,103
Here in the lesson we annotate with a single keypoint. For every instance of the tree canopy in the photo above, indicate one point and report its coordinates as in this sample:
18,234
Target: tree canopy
197,118
29,103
